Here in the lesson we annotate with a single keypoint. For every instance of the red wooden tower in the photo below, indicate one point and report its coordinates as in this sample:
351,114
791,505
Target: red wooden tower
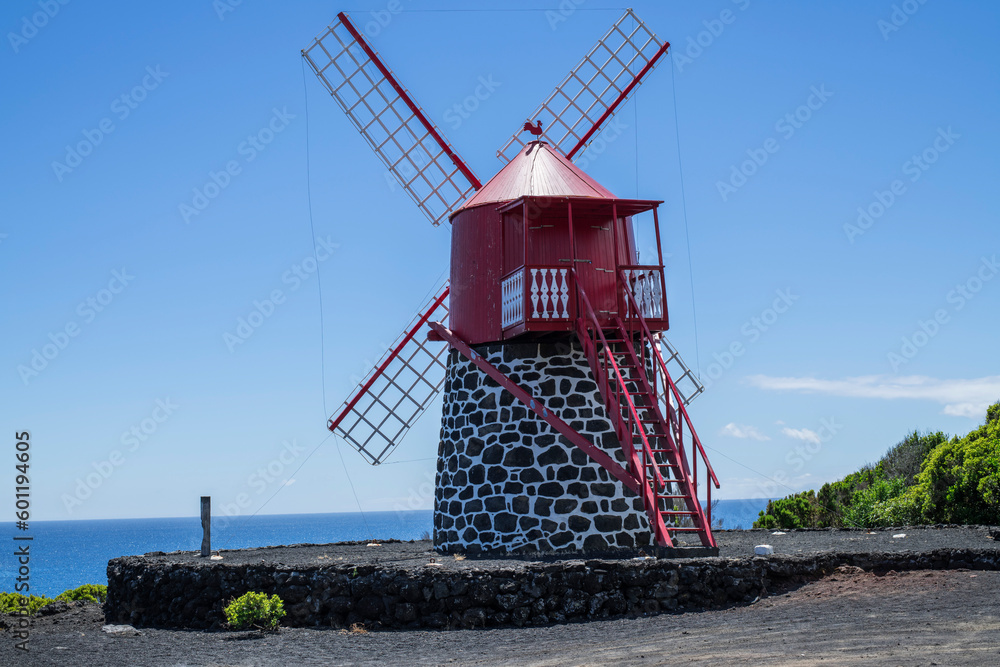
545,286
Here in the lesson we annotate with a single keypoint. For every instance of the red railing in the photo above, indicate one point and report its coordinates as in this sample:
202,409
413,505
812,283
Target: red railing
671,398
626,426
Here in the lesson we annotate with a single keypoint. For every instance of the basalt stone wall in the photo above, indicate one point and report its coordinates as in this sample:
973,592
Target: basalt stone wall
507,481
144,592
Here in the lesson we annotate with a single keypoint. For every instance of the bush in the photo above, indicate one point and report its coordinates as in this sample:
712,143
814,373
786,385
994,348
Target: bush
960,479
835,499
796,511
903,510
90,592
255,610
11,603
862,512
924,478
905,458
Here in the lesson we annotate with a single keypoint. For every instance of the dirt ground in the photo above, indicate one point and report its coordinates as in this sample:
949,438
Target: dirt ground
849,618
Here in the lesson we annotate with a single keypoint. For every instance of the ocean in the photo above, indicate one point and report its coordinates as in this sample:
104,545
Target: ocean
68,554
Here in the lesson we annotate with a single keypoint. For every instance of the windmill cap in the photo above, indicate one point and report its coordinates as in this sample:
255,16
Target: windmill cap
538,170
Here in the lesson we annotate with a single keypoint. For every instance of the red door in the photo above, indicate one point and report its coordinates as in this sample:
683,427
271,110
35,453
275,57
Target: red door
595,262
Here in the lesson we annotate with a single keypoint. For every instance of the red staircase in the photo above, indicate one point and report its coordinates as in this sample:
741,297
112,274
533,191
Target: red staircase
649,419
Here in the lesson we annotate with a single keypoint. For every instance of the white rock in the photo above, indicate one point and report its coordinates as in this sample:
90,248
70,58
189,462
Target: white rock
121,630
778,533
898,535
763,550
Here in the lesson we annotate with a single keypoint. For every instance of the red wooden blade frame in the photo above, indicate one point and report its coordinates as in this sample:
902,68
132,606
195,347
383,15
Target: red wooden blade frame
593,90
397,129
395,394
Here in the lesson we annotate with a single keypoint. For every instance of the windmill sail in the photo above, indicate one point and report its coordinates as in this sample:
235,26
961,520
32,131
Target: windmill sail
403,138
593,90
397,391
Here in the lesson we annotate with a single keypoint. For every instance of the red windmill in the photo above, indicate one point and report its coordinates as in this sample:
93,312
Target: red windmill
563,426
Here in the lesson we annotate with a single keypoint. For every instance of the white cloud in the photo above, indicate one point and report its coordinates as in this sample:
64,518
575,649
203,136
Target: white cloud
965,398
743,431
803,434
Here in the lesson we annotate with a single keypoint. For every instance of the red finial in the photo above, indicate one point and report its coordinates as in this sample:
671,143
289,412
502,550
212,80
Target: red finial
535,129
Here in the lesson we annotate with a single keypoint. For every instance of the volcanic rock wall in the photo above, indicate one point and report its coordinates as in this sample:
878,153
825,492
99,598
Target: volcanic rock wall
146,591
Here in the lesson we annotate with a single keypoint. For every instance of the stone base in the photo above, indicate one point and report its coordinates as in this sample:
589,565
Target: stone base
507,481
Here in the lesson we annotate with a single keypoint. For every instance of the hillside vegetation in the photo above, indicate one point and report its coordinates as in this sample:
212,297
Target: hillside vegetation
924,479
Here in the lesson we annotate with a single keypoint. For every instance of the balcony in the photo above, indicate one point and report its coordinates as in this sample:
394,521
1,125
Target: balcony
542,297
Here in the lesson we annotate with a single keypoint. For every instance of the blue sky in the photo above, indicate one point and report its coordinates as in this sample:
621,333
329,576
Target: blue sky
887,108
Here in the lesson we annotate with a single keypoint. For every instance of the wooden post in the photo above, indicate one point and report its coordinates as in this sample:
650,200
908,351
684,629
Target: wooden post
206,526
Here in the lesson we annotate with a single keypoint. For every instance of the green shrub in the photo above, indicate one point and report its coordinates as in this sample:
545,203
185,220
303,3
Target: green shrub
924,478
11,603
799,510
862,511
993,414
903,510
90,592
835,499
960,479
905,458
255,610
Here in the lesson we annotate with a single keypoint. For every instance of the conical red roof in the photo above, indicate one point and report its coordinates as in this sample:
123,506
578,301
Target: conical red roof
537,171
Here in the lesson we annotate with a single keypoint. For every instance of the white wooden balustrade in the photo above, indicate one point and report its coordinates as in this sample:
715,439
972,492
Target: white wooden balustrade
512,299
645,286
549,293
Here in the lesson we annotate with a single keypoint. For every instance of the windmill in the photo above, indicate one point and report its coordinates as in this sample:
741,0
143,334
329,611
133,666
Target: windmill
564,423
